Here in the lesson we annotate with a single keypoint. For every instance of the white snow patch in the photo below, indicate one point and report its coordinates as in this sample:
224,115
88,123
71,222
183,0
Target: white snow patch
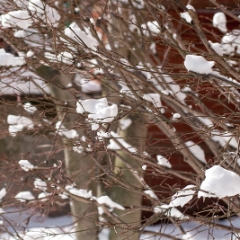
18,123
21,3
186,15
62,131
175,88
114,146
220,182
205,121
19,81
183,196
26,165
138,4
36,6
163,161
151,194
153,48
176,116
170,211
2,194
40,184
198,64
76,34
29,107
102,134
144,167
24,196
125,123
155,99
109,202
186,89
152,27
79,192
220,21
8,59
43,196
19,18
65,57
45,12
196,151
224,138
217,47
29,54
87,85
100,111
20,34
231,42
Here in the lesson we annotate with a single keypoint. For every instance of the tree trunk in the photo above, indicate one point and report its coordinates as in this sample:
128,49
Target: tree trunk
135,135
78,165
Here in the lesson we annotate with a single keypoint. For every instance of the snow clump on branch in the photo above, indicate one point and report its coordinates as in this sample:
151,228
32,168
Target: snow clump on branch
62,131
152,28
20,18
40,184
99,111
198,64
45,12
115,144
79,192
2,194
26,165
170,211
219,182
75,33
18,123
8,59
109,202
196,151
183,196
24,196
186,15
220,21
163,161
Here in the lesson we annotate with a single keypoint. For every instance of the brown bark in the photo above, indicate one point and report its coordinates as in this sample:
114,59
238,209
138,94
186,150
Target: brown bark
78,165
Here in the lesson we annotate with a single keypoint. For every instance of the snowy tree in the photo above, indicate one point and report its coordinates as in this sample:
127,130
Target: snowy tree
127,109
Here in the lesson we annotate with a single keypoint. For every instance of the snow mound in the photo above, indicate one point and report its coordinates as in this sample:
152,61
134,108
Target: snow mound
115,146
125,123
8,59
40,184
170,211
109,202
163,161
79,192
230,42
20,18
220,21
62,131
100,111
29,107
26,165
219,182
75,33
198,64
151,194
24,196
183,196
196,151
153,27
186,15
18,123
2,195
